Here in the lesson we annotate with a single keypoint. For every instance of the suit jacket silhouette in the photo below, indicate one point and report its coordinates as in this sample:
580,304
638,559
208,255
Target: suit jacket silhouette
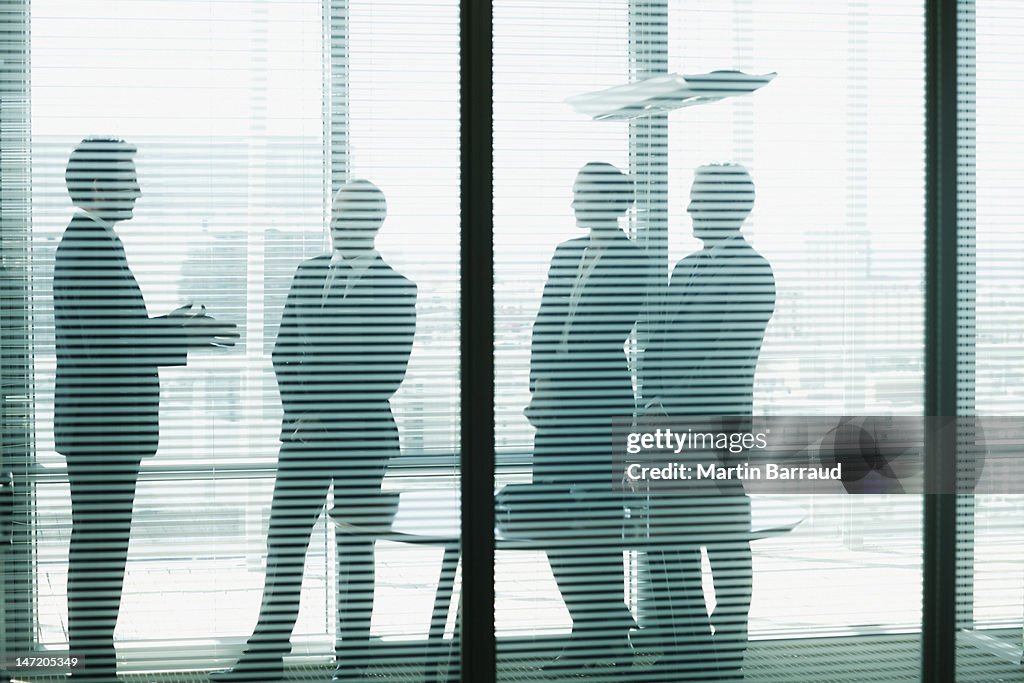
578,366
107,392
702,359
342,351
701,362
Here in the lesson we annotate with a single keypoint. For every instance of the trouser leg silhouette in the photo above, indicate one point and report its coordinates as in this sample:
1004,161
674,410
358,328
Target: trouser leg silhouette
356,490
589,572
102,497
679,616
355,601
732,569
300,492
591,584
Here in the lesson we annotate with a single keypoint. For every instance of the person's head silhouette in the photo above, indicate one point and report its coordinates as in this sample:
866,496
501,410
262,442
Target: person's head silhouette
101,178
721,198
358,211
601,194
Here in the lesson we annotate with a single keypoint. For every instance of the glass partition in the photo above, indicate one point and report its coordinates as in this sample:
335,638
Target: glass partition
296,176
229,335
990,567
751,249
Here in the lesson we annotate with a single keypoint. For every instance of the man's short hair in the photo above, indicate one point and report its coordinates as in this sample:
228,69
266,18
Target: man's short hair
95,161
364,199
725,184
616,187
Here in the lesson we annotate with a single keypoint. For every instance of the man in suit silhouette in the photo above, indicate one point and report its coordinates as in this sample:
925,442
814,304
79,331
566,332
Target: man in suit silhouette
580,380
107,393
341,353
701,364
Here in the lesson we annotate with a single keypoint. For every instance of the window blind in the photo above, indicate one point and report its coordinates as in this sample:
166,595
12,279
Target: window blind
246,118
16,408
834,148
989,554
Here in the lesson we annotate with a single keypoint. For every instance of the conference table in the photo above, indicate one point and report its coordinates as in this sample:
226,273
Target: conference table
432,518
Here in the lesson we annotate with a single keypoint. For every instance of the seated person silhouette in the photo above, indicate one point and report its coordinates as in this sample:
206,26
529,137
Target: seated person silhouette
580,380
341,353
107,388
700,363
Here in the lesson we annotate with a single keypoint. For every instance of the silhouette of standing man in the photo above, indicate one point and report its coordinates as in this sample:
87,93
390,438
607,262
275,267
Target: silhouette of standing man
342,351
701,362
107,393
580,380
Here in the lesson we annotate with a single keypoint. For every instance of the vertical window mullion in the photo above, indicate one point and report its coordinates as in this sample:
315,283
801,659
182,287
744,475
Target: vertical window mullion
477,339
941,121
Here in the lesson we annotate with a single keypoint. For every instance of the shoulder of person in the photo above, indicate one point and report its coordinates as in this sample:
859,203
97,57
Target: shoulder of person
569,250
383,271
317,263
688,262
80,228
756,257
399,281
574,244
310,274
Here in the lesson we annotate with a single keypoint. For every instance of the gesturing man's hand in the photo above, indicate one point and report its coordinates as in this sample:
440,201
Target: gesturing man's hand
205,330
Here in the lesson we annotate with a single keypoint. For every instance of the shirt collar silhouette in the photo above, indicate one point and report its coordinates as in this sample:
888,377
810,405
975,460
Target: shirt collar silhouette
360,262
106,225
